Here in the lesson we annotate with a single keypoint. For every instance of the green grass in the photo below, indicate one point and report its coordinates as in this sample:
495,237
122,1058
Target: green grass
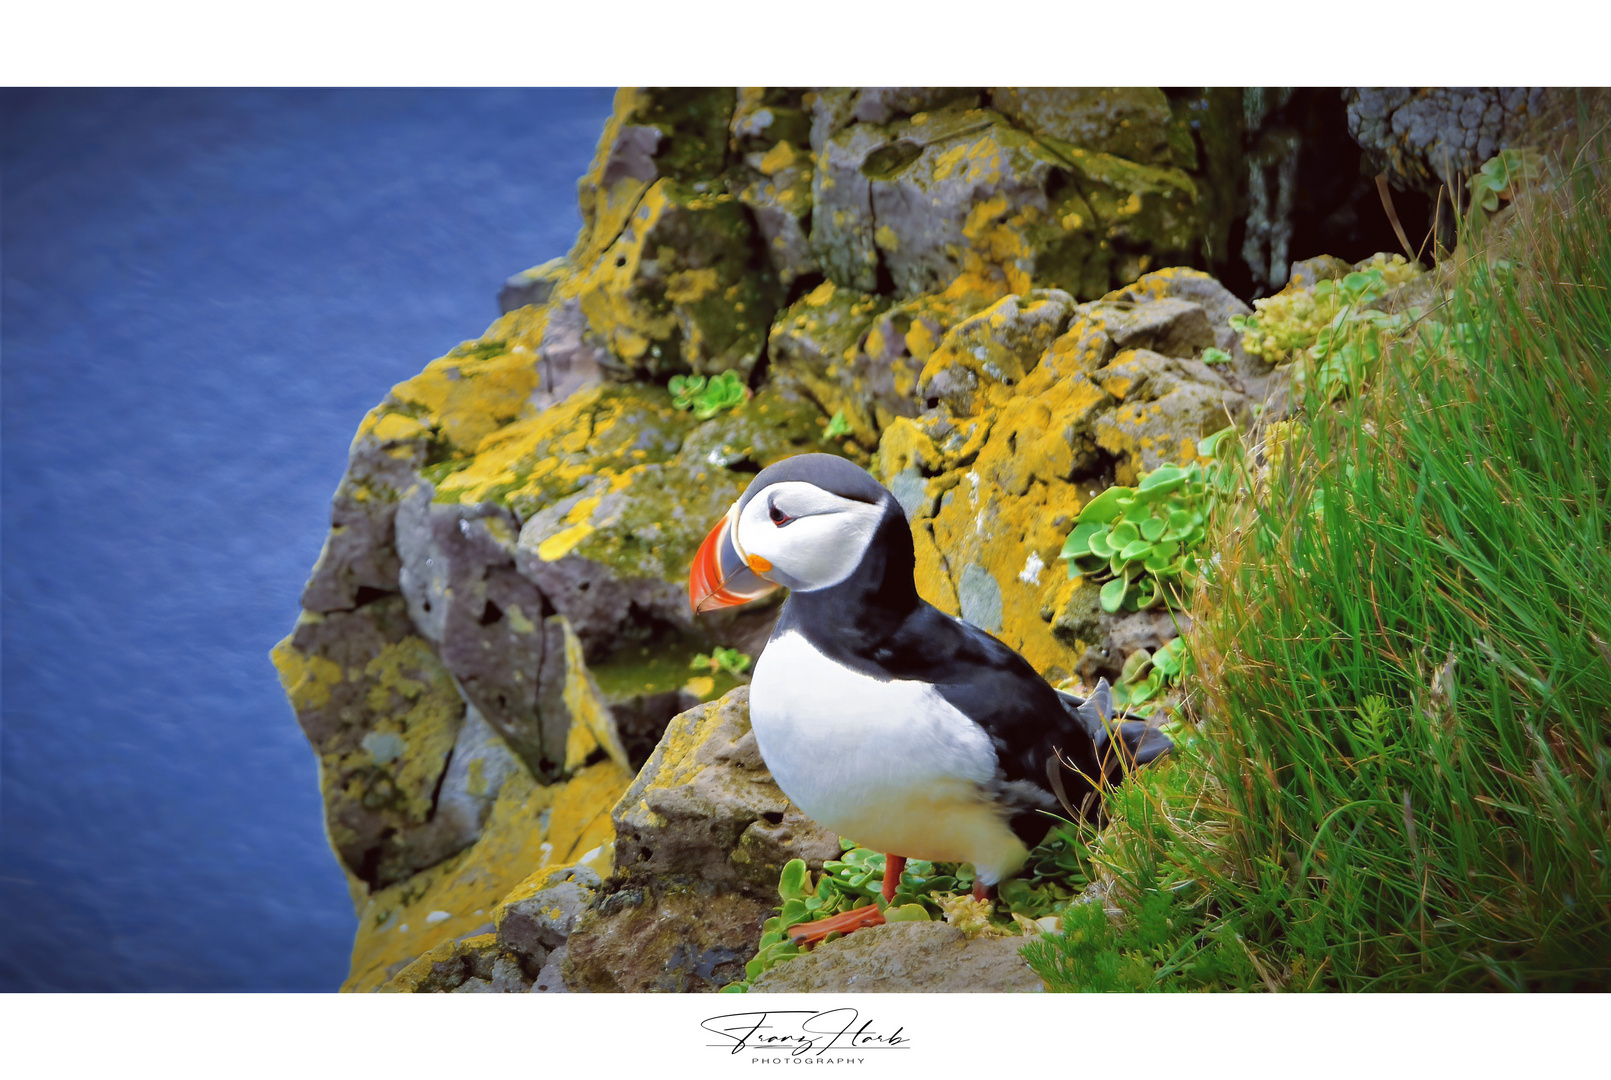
1403,779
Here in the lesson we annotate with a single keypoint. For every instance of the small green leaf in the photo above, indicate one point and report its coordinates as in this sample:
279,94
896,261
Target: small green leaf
1135,549
1209,446
1079,541
1135,666
1112,595
794,883
1123,534
1099,543
1105,507
1152,528
1165,478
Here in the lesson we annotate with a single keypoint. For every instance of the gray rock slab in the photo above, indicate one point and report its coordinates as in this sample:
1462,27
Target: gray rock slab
905,958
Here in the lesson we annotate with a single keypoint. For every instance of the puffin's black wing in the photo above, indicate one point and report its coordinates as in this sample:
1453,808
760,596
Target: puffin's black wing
993,686
1138,743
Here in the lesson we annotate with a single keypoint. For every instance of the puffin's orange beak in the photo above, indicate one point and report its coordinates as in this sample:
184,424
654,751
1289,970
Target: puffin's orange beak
721,576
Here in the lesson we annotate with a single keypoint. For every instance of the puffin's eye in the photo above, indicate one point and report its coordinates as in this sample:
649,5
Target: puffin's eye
779,518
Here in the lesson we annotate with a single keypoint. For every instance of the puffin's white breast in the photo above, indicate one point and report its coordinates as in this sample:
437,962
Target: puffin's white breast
889,763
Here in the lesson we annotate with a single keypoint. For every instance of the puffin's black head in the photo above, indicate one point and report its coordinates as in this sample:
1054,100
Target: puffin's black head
806,523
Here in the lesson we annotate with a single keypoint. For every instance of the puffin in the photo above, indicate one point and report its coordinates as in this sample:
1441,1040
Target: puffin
882,717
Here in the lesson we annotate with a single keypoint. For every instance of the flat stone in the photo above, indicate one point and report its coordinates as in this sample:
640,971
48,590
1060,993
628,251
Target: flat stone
905,958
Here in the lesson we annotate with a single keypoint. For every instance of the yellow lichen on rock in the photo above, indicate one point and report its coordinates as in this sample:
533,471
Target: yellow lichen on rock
780,157
981,359
306,680
532,827
464,397
558,448
592,723
674,289
1004,485
443,967
415,723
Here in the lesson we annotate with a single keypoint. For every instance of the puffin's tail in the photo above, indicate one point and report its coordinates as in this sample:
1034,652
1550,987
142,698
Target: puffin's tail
1122,742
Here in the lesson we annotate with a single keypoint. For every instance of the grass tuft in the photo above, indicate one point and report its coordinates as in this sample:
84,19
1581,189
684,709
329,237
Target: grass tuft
1403,778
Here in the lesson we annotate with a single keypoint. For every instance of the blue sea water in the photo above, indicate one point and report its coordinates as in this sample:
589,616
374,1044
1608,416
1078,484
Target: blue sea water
203,292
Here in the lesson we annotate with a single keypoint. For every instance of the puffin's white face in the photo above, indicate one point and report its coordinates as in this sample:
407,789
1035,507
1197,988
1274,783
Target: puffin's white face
800,536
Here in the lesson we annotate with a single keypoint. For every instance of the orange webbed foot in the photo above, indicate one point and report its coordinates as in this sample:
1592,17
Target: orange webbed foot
807,935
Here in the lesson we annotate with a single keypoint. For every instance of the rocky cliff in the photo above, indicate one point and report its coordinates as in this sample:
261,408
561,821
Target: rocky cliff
994,298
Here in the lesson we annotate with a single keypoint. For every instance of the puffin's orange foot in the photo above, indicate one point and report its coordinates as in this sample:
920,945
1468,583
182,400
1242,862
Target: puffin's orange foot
809,934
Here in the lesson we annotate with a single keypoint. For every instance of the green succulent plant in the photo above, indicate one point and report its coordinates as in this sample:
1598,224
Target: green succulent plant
1144,542
1292,320
731,661
1148,674
836,427
1333,333
707,397
1501,177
